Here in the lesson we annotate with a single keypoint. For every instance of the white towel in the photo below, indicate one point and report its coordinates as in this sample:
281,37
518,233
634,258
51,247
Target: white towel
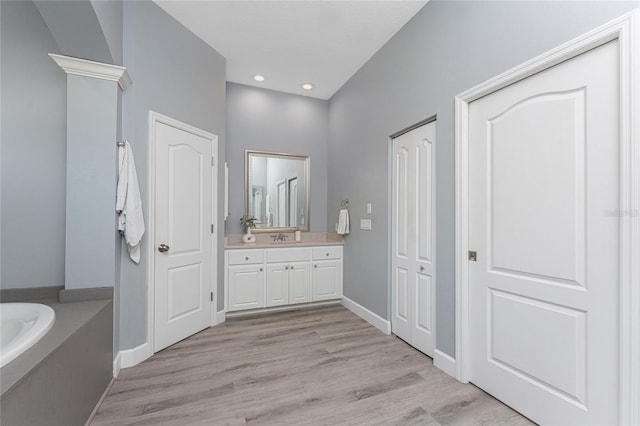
343,222
128,202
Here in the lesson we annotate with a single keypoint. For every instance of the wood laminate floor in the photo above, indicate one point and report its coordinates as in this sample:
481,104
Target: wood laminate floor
310,367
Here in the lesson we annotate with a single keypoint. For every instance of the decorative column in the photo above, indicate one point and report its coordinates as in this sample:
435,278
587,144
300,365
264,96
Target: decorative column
92,156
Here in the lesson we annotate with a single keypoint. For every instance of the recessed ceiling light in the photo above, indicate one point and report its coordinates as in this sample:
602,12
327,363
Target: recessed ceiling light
307,86
258,77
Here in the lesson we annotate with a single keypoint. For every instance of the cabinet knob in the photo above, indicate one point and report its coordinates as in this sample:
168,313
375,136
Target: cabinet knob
327,254
260,269
163,248
315,266
286,267
246,258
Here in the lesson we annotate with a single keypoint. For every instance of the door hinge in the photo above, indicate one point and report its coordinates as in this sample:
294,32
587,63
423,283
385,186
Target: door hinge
212,228
473,256
213,161
212,296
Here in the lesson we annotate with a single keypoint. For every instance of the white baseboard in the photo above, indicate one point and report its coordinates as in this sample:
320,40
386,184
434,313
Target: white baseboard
371,317
220,317
444,362
284,308
117,364
131,357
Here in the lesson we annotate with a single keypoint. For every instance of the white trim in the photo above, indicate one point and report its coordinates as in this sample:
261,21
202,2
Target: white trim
117,364
371,317
627,30
154,118
220,317
131,357
283,308
93,69
444,362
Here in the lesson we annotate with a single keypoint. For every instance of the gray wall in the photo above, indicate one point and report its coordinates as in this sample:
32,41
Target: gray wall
266,120
33,151
176,74
77,29
92,109
110,16
445,49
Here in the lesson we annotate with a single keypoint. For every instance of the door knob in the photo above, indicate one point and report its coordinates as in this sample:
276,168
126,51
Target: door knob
162,248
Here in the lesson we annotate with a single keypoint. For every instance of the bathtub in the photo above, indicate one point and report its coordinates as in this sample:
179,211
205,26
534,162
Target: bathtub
23,324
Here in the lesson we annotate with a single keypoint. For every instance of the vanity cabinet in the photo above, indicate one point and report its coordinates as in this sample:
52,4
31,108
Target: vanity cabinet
246,287
288,283
245,277
326,278
259,278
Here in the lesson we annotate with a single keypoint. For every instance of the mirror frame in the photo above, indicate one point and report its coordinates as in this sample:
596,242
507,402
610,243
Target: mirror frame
247,189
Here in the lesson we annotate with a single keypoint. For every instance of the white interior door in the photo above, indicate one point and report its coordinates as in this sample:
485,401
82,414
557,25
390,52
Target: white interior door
413,240
282,204
543,196
182,234
293,202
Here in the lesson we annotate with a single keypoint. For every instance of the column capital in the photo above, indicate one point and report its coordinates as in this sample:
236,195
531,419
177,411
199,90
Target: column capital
93,69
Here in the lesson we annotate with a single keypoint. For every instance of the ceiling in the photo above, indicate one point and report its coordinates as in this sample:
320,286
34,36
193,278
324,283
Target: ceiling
293,42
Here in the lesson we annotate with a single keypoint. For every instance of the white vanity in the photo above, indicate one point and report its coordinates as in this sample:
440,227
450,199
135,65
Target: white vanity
268,275
275,271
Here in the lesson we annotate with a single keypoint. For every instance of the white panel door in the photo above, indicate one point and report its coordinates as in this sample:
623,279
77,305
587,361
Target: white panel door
413,238
544,189
277,284
326,280
183,217
246,287
299,282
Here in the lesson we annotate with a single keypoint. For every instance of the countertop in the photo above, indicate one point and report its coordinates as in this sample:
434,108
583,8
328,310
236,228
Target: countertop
264,241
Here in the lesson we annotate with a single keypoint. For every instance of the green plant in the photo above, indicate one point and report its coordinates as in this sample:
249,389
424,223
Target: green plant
248,221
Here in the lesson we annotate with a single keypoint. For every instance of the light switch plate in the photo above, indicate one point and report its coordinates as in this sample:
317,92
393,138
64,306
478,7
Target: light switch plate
365,224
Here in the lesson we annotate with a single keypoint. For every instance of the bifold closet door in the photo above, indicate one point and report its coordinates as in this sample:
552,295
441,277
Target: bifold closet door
413,238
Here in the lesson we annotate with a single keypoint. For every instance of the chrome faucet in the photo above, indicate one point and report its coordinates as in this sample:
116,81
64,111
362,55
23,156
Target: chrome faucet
279,237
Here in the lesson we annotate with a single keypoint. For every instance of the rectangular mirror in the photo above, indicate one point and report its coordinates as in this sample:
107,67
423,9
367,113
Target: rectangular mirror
277,191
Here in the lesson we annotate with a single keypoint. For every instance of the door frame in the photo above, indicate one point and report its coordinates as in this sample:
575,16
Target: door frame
155,118
390,235
625,29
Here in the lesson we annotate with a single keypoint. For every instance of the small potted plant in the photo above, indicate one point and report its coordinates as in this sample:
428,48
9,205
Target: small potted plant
248,222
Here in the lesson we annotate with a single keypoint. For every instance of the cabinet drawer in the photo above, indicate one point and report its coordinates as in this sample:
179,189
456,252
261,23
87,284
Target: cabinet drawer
328,252
288,255
245,257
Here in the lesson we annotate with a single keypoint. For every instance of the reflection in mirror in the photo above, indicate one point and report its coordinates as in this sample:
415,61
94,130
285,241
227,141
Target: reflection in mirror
277,190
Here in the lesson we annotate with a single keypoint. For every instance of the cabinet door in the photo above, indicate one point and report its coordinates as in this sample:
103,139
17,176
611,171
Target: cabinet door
246,287
277,284
326,280
299,282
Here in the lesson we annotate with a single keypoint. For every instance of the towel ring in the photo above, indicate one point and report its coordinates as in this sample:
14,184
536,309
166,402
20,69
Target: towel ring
344,204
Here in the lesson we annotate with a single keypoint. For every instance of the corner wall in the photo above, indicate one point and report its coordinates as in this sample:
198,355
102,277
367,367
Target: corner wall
267,120
176,74
33,152
448,47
